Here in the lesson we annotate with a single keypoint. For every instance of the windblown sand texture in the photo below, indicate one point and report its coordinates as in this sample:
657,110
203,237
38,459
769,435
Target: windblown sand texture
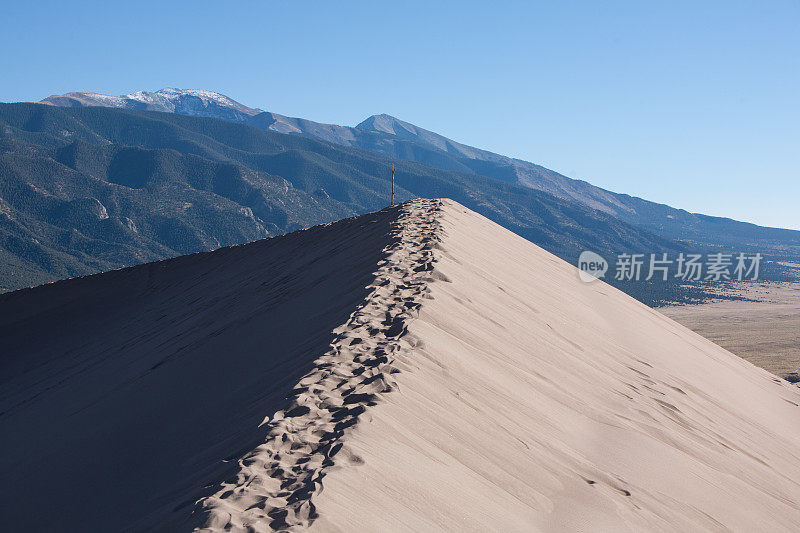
415,369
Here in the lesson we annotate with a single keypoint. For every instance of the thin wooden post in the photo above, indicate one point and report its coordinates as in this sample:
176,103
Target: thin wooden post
391,202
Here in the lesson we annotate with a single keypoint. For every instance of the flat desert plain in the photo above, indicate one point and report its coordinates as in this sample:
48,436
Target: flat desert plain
764,329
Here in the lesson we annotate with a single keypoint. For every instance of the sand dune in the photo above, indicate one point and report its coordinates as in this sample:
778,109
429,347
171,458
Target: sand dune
419,368
277,480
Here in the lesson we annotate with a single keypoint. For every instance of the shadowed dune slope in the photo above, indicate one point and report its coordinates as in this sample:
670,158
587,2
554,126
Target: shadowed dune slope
430,370
124,395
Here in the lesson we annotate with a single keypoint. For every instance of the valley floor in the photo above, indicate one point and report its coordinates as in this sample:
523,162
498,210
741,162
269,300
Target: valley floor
764,329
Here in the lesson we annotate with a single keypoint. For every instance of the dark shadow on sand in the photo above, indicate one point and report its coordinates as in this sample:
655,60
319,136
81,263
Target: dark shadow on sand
126,396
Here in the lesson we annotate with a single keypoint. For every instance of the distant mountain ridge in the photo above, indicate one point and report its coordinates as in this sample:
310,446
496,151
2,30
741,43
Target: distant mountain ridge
90,184
404,130
395,138
86,189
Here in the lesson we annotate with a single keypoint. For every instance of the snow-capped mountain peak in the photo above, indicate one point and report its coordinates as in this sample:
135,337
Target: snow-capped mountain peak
196,102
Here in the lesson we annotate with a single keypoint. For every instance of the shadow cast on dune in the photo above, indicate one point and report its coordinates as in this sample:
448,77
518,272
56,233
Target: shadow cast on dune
127,396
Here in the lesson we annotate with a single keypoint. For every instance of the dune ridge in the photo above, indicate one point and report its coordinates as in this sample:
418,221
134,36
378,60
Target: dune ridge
415,369
533,401
276,481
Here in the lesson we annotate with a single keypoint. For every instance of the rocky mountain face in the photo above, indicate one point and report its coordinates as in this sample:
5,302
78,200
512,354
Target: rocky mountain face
395,138
287,177
390,136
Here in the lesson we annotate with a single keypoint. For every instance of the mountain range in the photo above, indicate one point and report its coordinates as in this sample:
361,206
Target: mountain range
390,136
94,182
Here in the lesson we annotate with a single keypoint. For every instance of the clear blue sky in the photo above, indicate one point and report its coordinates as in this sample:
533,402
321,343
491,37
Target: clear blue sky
694,104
